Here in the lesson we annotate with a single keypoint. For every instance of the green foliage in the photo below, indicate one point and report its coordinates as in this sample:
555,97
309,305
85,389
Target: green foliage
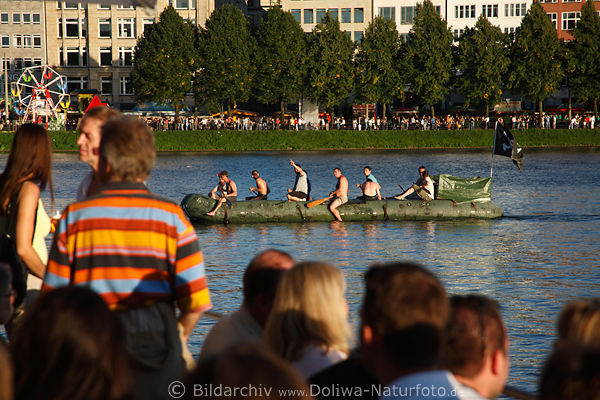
429,53
536,69
227,59
483,63
281,62
165,59
330,52
586,52
377,78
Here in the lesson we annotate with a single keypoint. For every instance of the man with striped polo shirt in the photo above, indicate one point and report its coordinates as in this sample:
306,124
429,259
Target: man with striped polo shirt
139,253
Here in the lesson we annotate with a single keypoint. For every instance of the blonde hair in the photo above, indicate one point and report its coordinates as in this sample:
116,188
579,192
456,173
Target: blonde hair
309,308
579,322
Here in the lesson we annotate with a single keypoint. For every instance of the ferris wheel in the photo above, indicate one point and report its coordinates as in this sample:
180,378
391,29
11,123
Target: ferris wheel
42,92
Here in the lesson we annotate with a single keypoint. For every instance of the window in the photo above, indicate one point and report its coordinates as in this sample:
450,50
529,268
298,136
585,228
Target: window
349,35
515,10
71,5
26,18
509,30
27,62
147,24
104,30
72,27
125,7
126,87
83,28
37,41
464,11
193,4
407,14
105,56
102,6
16,18
27,41
359,16
571,1
320,15
106,85
125,56
182,4
334,13
458,33
296,14
76,83
5,41
72,57
569,20
126,27
308,16
548,1
554,19
18,64
346,16
35,17
37,61
388,13
18,41
4,18
489,10
358,36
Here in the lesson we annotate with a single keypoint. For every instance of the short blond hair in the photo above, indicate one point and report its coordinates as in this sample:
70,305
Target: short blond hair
309,308
128,147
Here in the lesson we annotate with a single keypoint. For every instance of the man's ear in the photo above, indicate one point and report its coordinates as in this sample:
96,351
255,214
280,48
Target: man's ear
367,334
104,170
498,359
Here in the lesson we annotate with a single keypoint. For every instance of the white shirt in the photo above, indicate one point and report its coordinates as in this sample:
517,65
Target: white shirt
317,358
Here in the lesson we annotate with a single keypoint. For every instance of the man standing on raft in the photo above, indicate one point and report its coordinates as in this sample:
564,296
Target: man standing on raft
340,193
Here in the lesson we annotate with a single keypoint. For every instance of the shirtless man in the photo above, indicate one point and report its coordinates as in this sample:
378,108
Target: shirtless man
300,190
340,193
261,190
225,191
370,190
423,188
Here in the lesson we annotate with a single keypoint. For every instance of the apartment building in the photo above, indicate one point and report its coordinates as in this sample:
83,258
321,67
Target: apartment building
403,12
90,43
506,14
354,15
565,14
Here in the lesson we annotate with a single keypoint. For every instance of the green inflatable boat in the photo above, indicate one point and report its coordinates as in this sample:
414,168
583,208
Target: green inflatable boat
455,198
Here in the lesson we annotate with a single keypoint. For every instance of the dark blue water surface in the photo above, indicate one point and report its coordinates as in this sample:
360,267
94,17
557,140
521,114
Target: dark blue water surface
543,253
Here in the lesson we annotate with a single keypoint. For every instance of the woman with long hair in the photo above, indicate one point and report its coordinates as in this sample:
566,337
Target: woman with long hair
308,325
27,172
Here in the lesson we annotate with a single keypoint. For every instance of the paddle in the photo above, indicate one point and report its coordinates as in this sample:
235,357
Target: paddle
313,203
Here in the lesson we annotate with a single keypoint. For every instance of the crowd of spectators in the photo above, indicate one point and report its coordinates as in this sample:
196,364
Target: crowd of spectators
124,286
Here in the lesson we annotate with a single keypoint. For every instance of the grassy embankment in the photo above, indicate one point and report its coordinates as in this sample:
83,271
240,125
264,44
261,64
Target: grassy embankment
339,140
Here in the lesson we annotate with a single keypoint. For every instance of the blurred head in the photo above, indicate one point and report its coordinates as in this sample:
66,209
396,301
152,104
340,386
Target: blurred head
579,322
261,278
255,174
90,133
337,172
367,170
403,315
126,150
6,374
30,159
571,373
476,344
309,308
69,345
250,366
423,172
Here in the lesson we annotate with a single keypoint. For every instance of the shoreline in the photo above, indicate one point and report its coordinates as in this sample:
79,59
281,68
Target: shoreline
215,141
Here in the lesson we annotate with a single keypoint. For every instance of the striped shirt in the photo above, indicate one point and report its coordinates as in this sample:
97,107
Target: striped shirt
131,247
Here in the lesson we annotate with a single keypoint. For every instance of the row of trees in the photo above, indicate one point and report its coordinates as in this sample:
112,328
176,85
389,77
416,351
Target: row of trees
227,62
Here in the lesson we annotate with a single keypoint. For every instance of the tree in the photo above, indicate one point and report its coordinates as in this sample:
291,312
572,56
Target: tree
536,70
377,78
282,58
586,51
483,63
429,53
164,61
227,52
329,77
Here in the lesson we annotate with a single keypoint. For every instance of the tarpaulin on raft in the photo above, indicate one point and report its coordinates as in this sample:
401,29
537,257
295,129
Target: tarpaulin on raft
464,189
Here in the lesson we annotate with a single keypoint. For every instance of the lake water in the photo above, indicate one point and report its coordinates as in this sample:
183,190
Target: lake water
543,253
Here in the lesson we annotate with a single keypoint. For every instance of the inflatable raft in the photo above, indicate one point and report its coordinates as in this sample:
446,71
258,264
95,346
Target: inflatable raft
260,211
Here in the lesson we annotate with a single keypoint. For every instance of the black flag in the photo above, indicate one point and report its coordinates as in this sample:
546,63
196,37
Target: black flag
506,145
